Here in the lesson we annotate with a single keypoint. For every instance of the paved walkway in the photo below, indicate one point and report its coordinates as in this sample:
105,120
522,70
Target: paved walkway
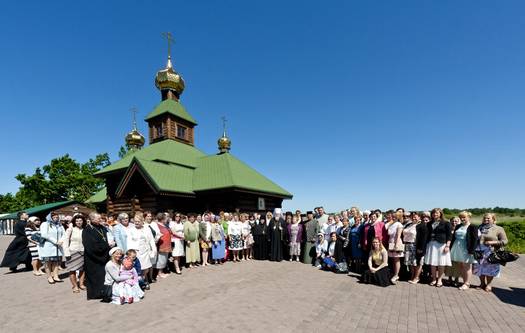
265,297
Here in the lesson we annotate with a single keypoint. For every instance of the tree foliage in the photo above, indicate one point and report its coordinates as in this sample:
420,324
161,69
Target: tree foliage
62,179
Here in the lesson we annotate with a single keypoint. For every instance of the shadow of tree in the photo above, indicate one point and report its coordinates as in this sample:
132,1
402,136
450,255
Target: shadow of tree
515,296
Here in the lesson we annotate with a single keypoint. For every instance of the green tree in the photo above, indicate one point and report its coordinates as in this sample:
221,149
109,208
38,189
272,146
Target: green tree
62,179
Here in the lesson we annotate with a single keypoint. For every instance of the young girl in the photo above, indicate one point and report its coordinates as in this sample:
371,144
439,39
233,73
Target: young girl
129,290
377,272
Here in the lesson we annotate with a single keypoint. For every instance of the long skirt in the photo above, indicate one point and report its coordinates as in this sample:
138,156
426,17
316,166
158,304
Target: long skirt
76,262
218,250
260,247
309,253
380,278
193,253
435,256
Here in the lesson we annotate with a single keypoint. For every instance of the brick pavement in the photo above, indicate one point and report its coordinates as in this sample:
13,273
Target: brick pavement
265,296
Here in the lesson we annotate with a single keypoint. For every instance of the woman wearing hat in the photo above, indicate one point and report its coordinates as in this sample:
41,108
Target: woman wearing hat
51,250
33,227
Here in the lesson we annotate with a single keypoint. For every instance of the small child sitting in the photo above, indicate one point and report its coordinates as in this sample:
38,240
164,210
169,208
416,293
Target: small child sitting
132,254
129,290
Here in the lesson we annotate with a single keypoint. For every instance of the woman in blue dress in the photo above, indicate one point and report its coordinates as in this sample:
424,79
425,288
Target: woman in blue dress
464,242
218,249
356,253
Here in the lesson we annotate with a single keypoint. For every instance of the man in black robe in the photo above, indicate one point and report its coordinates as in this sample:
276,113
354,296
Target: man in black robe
17,252
96,255
277,236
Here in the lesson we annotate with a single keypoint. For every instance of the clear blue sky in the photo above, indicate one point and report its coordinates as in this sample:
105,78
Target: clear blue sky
371,103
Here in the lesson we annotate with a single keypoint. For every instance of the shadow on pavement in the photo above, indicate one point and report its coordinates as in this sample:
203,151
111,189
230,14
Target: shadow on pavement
515,296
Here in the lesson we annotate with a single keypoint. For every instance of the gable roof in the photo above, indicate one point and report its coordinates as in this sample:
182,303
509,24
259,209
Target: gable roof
163,177
39,209
169,151
98,197
226,171
172,107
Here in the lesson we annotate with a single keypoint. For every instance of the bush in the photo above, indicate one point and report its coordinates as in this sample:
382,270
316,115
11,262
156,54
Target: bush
516,234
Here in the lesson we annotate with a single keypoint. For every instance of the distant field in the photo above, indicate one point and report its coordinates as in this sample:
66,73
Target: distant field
500,219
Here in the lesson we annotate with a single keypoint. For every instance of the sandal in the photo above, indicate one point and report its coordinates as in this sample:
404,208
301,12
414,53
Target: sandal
76,290
82,287
413,281
465,286
488,289
439,284
50,281
433,283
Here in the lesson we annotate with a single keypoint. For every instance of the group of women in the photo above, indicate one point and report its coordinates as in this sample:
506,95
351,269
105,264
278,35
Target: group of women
118,258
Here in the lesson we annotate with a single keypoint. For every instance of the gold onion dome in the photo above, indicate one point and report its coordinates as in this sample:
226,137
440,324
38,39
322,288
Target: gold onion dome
134,140
224,143
168,79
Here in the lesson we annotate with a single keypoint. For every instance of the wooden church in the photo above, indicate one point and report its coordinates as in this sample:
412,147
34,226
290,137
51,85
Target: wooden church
171,173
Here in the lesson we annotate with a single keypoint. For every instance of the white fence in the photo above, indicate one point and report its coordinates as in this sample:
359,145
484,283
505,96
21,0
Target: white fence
7,227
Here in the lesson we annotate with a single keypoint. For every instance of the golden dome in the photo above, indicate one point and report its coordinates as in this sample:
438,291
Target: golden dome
224,143
134,140
169,79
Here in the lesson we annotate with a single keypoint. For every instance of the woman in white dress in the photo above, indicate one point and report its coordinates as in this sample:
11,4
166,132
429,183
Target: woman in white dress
177,231
235,228
143,242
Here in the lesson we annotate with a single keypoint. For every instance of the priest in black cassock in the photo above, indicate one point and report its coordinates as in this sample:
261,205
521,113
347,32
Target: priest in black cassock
96,255
277,236
17,252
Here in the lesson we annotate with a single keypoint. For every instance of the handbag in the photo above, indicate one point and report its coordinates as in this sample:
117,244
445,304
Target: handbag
37,237
106,293
502,257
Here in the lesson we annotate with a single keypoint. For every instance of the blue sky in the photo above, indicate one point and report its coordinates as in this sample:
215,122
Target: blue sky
371,103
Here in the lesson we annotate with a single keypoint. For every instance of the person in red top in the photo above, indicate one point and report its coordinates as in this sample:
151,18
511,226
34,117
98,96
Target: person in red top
164,244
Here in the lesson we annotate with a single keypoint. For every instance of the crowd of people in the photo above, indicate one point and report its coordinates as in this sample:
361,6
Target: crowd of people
117,258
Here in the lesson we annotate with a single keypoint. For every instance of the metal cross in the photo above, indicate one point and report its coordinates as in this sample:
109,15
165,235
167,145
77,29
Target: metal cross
134,110
224,124
169,38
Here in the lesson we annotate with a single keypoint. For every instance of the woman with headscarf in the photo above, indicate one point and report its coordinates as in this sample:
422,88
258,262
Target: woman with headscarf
51,250
260,236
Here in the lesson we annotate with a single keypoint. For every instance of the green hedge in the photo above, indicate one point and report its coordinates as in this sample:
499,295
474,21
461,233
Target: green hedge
516,234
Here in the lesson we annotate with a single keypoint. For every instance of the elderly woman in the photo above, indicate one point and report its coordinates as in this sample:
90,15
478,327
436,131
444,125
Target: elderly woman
142,241
51,250
191,237
74,252
492,237
218,241
438,249
235,228
115,277
122,230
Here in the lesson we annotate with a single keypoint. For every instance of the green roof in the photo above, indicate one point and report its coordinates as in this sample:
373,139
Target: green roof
39,209
226,171
169,151
164,177
98,197
172,107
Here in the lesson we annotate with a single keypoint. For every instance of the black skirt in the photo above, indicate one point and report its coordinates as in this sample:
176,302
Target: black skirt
379,278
